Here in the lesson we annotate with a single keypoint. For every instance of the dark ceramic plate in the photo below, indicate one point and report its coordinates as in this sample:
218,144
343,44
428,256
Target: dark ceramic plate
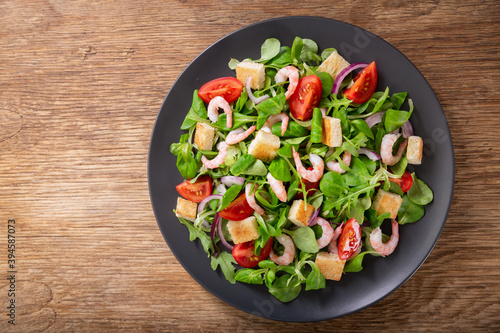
380,276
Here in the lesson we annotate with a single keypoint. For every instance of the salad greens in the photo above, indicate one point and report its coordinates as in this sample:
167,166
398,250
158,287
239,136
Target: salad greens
348,192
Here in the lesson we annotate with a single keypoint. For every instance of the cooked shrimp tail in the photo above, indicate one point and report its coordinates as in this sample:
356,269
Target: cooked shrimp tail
277,187
328,232
386,146
385,248
239,135
287,257
318,167
216,103
218,160
335,166
273,119
292,74
250,195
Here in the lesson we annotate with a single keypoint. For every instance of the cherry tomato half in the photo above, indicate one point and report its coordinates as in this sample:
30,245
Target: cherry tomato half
309,186
406,181
350,239
228,87
196,191
237,210
306,97
244,253
364,85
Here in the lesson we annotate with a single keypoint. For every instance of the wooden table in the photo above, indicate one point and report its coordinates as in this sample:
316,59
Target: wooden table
81,83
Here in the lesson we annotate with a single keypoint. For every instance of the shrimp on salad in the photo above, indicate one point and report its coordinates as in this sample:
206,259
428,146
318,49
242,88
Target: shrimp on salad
318,167
388,142
273,119
216,103
328,232
385,248
287,257
292,74
250,195
239,135
218,160
335,166
277,187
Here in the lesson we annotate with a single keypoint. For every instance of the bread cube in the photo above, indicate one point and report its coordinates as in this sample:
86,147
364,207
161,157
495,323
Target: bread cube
264,146
256,70
300,213
330,265
333,65
186,209
244,230
387,202
414,150
331,134
204,136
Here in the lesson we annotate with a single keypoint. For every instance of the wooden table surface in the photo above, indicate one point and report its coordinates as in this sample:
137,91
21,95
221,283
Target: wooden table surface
81,83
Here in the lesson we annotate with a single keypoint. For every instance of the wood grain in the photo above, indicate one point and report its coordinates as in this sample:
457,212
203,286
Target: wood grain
81,83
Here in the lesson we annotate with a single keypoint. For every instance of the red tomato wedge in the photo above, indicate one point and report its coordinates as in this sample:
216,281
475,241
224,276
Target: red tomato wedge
244,253
237,210
405,182
306,97
364,85
196,191
350,239
228,87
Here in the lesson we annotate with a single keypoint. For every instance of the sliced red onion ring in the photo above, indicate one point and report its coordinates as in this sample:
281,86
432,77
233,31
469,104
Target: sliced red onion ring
221,189
312,220
232,180
375,118
221,235
371,154
215,224
407,129
254,99
343,73
203,202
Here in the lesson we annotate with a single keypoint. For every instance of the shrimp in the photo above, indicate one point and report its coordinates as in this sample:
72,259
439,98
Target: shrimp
277,187
292,74
328,232
216,103
335,166
289,253
332,248
251,199
388,142
283,117
218,160
239,135
310,175
385,248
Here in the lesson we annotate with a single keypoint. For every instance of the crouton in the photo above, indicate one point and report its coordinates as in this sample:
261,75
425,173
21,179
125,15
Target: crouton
387,202
414,150
330,265
244,230
333,65
264,146
331,134
204,136
256,70
299,214
186,209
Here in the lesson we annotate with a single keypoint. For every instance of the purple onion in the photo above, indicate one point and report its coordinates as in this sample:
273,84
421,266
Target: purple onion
232,180
203,202
370,154
312,220
407,129
215,223
221,235
254,99
342,75
375,118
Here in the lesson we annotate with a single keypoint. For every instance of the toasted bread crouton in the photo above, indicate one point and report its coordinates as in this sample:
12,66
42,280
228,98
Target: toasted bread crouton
256,70
186,209
300,214
264,146
204,136
333,65
330,265
331,134
244,230
387,202
414,150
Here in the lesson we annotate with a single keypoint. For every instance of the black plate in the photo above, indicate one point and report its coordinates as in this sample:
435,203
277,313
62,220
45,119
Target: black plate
381,276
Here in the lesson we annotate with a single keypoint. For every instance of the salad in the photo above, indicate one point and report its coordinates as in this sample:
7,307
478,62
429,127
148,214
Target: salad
297,168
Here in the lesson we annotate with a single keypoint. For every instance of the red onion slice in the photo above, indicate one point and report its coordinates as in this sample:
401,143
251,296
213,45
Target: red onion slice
203,202
221,189
375,118
371,154
221,235
232,180
215,224
343,73
407,129
312,220
254,99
